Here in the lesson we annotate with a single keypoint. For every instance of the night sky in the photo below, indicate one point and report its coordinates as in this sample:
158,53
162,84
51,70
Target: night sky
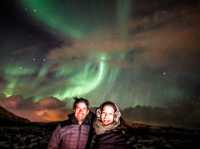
133,52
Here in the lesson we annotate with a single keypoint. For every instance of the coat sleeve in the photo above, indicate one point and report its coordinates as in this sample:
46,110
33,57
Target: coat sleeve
55,139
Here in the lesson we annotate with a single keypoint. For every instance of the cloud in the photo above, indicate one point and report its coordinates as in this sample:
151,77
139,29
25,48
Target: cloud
50,103
2,83
11,102
163,37
100,41
48,115
46,109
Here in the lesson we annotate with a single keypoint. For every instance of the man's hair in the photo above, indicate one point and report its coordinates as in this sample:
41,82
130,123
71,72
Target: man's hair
80,99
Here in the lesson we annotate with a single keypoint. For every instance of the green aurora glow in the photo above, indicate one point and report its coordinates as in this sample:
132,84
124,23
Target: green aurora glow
66,18
63,85
142,74
50,13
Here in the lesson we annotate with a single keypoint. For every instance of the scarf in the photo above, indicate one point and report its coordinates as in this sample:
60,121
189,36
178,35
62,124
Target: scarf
100,129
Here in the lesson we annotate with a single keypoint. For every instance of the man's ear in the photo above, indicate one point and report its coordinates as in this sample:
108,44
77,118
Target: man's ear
88,111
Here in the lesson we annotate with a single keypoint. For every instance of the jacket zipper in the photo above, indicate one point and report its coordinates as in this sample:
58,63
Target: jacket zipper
79,134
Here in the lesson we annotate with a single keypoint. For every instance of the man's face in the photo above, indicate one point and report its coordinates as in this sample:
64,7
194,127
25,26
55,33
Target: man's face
81,111
107,115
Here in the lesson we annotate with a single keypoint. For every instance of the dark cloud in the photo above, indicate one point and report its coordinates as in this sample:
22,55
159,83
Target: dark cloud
2,82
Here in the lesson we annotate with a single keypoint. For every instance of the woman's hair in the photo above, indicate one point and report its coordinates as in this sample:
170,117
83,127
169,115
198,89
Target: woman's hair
108,103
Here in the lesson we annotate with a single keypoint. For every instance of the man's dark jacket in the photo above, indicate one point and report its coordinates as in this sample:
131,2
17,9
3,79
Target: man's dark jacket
70,135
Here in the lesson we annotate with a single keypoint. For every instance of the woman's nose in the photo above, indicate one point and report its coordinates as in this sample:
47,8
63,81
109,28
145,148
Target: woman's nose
106,115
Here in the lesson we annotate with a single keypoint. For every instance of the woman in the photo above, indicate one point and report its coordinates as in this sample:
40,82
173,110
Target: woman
109,132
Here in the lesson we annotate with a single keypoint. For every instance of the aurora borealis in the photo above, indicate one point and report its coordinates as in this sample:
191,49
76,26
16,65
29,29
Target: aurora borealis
128,51
69,82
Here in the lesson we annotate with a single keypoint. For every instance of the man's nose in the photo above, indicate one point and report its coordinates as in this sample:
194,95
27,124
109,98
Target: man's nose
80,110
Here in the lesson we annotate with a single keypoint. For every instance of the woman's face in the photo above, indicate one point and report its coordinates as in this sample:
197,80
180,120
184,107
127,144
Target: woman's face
107,115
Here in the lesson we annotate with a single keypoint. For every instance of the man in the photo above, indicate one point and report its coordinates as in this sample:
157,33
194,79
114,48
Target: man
76,132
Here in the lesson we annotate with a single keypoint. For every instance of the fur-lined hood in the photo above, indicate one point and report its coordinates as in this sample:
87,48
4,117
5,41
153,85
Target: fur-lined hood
98,126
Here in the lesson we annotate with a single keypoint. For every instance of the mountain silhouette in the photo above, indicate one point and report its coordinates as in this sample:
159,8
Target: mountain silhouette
8,118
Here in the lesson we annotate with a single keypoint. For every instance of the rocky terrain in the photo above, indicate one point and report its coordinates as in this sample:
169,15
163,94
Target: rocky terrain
24,137
28,135
36,136
155,137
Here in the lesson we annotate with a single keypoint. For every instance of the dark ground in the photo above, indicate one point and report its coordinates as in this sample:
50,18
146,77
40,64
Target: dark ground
36,136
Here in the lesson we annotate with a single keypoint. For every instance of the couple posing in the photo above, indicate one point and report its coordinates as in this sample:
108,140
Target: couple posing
85,130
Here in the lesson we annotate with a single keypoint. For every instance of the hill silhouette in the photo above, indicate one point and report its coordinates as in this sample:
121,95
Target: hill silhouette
8,118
